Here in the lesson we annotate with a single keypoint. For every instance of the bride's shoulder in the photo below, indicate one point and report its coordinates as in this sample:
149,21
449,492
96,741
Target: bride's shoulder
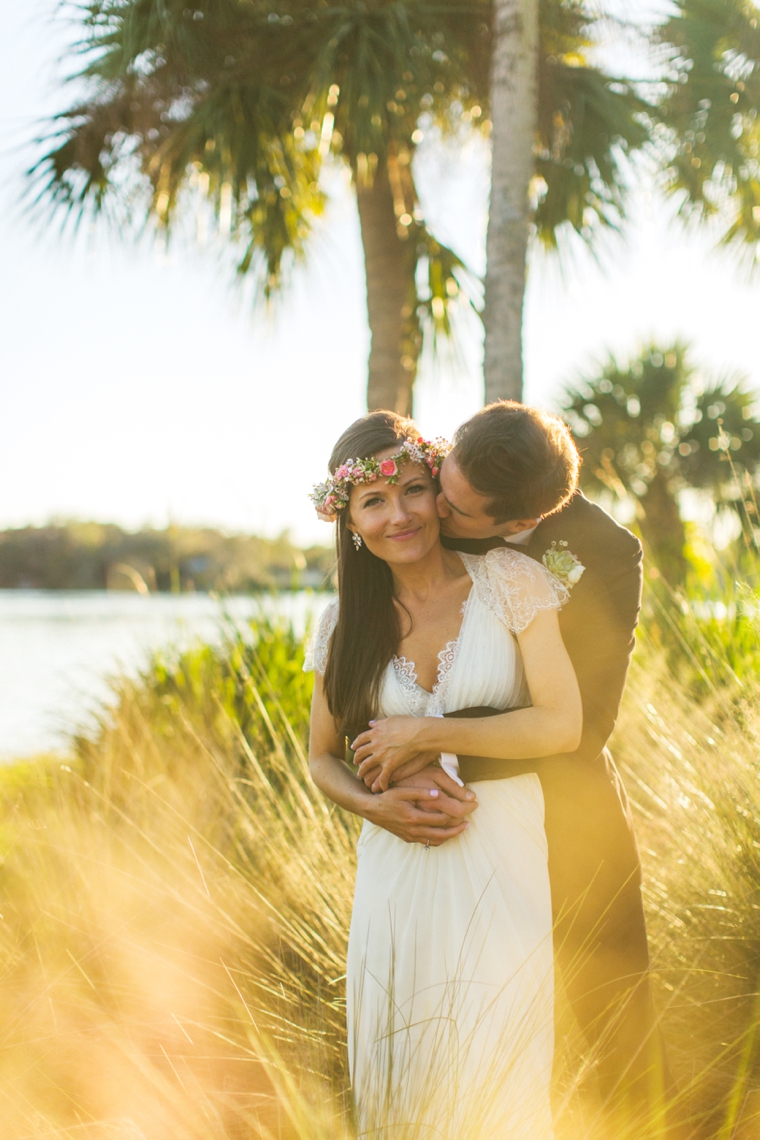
514,586
319,644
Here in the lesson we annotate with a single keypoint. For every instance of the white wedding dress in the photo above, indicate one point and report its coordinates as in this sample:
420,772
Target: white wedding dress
450,982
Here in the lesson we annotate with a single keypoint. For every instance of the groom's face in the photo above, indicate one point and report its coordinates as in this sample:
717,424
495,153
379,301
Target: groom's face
463,510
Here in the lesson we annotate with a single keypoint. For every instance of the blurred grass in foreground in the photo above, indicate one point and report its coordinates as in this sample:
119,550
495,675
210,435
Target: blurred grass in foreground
176,898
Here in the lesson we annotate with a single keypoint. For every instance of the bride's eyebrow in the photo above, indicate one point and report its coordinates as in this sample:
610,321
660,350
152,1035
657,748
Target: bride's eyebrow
370,491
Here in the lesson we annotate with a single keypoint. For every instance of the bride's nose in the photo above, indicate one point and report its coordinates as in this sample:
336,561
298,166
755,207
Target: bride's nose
400,510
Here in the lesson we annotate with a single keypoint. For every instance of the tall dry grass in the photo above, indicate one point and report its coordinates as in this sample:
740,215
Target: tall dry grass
176,897
175,902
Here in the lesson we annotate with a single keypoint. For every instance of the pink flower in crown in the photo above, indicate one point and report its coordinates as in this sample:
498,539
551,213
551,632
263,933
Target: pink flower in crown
342,472
388,467
434,471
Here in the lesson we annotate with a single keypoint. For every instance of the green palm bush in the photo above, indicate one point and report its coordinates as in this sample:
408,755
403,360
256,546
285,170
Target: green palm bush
650,429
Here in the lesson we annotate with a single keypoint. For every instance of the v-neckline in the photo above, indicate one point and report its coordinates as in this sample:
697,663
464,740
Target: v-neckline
447,656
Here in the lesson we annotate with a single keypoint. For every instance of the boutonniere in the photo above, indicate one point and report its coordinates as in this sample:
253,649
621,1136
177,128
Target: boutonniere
563,564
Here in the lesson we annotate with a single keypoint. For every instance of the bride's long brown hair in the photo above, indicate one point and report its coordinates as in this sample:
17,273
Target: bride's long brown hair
368,633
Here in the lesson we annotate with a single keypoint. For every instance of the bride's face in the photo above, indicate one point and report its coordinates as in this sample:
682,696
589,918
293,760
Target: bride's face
398,522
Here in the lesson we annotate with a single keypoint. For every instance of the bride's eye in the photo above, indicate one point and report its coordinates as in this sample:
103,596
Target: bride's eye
415,488
372,502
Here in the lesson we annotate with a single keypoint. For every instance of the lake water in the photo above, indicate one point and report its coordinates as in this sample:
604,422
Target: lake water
58,648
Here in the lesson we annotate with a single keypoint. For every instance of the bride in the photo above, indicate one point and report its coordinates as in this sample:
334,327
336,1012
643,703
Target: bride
449,976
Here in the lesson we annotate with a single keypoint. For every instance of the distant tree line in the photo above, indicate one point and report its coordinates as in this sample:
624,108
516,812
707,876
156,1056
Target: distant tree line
98,556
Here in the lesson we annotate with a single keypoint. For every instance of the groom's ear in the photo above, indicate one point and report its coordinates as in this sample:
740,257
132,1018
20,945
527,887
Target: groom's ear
517,526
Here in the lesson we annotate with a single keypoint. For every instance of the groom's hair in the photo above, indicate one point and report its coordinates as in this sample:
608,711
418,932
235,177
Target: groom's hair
522,458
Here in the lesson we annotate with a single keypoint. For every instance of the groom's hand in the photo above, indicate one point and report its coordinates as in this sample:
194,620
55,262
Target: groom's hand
370,772
390,742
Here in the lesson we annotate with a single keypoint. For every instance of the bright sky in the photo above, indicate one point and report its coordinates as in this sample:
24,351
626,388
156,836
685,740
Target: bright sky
136,387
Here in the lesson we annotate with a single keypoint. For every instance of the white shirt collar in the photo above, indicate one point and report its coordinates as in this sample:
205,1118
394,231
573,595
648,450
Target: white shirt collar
521,539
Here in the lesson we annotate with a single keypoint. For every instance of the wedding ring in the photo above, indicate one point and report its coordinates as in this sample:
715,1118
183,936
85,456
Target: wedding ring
427,846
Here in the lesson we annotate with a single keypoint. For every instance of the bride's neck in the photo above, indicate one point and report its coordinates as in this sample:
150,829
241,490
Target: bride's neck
421,578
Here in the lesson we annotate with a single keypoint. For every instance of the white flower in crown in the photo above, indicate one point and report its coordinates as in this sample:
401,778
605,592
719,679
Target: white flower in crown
332,496
563,564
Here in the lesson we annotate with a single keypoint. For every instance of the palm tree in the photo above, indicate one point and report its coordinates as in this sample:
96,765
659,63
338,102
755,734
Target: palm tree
562,133
241,102
704,131
651,429
712,50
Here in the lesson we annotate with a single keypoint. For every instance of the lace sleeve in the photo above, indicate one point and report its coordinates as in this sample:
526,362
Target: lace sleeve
515,588
316,650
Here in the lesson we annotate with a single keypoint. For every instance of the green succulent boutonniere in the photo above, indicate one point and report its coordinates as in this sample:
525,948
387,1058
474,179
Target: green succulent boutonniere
563,564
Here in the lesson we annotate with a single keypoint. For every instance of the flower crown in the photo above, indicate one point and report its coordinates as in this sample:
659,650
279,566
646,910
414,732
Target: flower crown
332,496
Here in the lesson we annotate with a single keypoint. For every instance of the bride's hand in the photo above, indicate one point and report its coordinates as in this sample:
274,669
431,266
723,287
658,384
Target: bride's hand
453,799
387,744
398,811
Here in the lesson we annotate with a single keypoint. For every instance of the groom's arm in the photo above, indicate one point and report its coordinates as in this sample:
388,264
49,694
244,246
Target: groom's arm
598,627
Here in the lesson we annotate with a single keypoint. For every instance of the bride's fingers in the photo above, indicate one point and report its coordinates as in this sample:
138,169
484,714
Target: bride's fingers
457,809
440,835
436,819
362,738
366,763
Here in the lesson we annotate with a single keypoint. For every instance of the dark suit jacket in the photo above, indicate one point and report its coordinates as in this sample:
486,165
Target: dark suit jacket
597,624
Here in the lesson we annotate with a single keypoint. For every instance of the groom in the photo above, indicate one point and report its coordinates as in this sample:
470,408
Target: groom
511,480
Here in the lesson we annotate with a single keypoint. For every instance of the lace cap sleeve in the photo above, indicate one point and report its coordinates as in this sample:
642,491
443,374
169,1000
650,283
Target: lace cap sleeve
316,650
515,587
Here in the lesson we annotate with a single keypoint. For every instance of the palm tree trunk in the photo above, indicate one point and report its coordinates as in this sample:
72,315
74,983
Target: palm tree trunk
388,262
663,530
514,112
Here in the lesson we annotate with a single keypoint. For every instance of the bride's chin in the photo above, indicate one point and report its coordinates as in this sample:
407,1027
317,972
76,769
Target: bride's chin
405,555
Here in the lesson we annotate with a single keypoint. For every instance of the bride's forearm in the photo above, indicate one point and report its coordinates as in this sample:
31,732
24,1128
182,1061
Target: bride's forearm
333,778
519,735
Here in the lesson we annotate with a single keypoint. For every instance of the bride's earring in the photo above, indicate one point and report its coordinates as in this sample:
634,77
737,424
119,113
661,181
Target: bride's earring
356,539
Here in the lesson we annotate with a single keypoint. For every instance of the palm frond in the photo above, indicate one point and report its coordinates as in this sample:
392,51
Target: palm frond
171,107
656,419
589,124
712,49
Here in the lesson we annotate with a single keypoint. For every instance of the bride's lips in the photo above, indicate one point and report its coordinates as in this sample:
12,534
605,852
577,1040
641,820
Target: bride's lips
403,535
